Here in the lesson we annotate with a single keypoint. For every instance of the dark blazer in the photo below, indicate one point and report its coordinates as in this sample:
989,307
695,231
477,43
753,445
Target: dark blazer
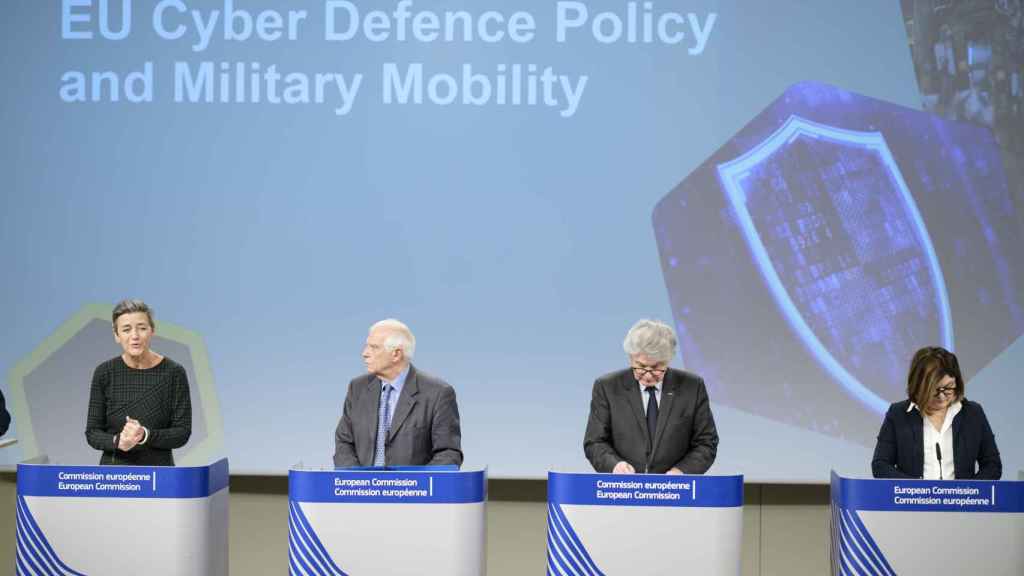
5,418
899,452
685,437
425,429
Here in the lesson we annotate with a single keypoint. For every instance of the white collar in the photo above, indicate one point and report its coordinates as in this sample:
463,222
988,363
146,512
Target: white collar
657,386
956,404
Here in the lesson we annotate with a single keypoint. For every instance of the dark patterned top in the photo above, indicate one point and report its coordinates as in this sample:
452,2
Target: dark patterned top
157,397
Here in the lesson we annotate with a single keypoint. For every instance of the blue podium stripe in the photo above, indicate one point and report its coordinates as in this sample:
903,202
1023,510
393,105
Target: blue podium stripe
857,549
558,547
559,541
559,558
306,545
555,562
854,545
566,553
574,541
24,556
315,551
122,481
21,569
845,547
645,490
296,559
301,549
876,552
297,555
33,547
29,547
386,487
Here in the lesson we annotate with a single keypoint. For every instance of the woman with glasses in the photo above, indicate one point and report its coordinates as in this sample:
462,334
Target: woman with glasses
936,433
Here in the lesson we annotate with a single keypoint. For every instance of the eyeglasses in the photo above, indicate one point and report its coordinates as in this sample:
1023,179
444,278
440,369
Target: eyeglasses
640,371
945,391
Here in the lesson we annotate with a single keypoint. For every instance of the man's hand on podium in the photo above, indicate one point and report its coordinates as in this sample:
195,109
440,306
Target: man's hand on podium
623,468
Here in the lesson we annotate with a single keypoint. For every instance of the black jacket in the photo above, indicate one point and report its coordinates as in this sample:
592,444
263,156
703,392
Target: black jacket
5,418
899,452
686,437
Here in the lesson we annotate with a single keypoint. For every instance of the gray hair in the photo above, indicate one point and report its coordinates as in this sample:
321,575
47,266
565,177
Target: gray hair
399,337
129,307
653,339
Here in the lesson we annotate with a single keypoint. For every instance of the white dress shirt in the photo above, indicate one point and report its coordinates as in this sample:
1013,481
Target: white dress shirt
942,437
657,395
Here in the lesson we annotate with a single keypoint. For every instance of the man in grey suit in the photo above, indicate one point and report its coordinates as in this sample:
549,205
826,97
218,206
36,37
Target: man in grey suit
396,415
650,418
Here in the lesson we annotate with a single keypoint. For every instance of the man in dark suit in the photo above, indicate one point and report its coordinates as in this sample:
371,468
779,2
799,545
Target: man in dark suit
396,415
650,418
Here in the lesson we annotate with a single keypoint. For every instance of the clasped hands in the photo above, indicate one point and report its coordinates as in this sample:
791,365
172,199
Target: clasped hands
624,467
131,435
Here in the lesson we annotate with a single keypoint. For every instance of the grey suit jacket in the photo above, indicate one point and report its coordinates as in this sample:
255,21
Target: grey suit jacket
425,429
685,437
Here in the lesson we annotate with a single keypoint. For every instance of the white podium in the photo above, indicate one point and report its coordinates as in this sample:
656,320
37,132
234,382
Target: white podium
644,524
932,527
113,520
387,521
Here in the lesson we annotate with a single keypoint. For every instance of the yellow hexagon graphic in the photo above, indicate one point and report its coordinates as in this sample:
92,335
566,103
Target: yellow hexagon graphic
50,389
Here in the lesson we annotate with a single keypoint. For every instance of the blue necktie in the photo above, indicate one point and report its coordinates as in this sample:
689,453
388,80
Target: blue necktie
383,425
652,412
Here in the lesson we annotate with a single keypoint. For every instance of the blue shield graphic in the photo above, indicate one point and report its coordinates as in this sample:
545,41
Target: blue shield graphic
841,245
